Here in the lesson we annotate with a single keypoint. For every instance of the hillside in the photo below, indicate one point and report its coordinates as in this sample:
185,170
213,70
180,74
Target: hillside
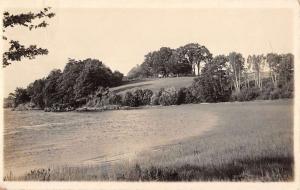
155,84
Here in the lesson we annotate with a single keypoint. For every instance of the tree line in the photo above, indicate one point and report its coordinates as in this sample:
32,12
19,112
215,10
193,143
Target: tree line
69,87
182,61
220,78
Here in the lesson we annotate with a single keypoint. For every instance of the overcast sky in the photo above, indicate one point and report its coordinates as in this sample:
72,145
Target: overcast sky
121,37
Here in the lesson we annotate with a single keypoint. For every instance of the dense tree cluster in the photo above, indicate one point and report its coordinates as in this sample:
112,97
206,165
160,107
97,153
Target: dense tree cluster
70,87
166,61
221,77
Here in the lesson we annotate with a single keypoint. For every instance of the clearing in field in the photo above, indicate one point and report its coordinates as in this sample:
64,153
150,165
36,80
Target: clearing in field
155,84
225,141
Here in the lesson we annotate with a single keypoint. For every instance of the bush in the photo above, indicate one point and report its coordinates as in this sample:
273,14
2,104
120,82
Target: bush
275,94
114,99
146,100
139,97
155,99
246,94
168,97
185,96
129,100
288,90
181,95
142,97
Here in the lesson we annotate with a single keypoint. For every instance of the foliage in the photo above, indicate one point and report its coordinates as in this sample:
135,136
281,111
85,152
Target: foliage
80,82
139,97
129,100
186,96
257,63
17,51
194,54
168,97
36,92
93,75
236,68
51,93
246,94
20,96
166,61
213,82
114,99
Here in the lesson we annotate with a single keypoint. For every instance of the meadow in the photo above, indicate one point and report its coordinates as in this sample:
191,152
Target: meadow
154,84
238,141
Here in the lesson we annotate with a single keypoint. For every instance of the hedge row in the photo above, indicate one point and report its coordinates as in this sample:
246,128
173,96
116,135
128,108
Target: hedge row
171,96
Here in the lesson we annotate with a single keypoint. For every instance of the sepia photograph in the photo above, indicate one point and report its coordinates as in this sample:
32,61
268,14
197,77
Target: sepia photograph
149,92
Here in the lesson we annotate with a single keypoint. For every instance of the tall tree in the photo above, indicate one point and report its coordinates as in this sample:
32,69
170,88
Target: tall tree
93,75
273,61
236,62
51,90
195,54
36,92
286,68
213,83
17,51
257,64
20,96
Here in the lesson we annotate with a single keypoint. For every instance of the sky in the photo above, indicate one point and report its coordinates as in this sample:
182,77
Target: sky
120,37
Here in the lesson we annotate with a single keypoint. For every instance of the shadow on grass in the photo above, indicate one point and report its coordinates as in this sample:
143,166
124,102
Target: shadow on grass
260,169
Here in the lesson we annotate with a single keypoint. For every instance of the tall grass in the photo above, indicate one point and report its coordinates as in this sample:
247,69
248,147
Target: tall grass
253,143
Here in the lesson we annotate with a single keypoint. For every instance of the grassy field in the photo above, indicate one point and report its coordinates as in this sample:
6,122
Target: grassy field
249,141
155,84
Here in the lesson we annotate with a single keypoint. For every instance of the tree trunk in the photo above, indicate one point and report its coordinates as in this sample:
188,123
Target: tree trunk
194,69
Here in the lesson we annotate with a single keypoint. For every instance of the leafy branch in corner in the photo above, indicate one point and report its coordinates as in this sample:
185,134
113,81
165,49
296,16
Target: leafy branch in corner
17,51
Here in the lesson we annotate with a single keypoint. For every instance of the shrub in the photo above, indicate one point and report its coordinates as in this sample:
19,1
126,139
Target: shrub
129,100
147,94
168,97
288,90
181,95
185,96
191,96
114,99
155,99
275,94
246,94
137,98
142,97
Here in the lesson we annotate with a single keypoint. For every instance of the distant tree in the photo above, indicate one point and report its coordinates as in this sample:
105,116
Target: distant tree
177,65
236,63
16,51
273,61
214,83
36,92
20,96
9,101
286,68
67,81
117,78
257,63
134,72
51,89
93,75
194,54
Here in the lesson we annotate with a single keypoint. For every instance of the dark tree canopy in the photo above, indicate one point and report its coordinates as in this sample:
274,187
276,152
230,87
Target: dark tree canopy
167,61
70,87
17,51
214,82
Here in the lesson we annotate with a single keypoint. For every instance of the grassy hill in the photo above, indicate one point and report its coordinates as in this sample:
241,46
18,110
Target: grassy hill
154,84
